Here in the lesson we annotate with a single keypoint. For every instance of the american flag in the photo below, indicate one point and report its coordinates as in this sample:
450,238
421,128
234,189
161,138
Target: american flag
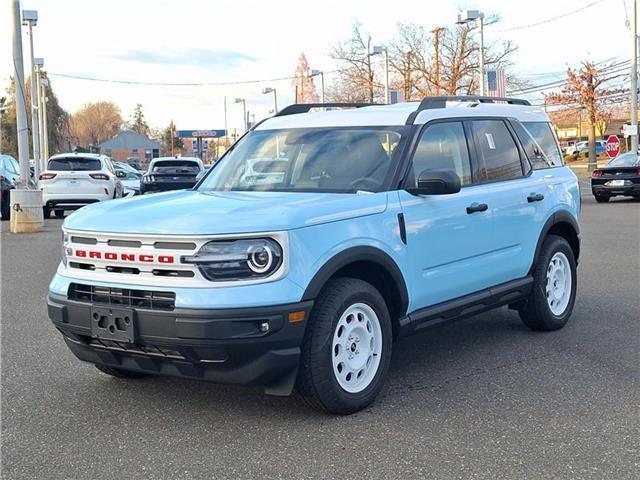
496,83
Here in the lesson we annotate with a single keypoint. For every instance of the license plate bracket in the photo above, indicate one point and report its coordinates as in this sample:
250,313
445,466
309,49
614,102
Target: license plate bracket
113,323
617,183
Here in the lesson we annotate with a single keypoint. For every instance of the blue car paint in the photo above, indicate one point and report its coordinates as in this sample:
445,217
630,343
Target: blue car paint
449,252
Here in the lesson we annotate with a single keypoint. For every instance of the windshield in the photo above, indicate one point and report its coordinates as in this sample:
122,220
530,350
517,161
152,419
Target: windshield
176,166
625,160
339,160
76,164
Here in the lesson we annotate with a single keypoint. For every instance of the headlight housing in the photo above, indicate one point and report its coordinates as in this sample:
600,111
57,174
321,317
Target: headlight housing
243,259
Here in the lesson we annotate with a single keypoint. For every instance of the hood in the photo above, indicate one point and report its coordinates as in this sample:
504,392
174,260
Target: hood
188,212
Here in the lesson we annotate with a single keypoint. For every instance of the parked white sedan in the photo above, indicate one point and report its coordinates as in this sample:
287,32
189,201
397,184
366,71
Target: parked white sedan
73,180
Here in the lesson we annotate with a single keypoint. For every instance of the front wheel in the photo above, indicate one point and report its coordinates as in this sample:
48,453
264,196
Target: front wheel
59,213
551,300
346,349
602,198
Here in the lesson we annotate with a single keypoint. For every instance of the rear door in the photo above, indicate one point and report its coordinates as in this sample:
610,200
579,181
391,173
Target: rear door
73,175
448,240
517,195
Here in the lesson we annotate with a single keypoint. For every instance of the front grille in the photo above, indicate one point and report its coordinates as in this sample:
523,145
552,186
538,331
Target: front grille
123,297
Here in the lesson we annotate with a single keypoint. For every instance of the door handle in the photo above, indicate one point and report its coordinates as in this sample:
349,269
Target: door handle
535,197
477,207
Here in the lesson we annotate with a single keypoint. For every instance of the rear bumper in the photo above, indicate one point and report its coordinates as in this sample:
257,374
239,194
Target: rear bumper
626,190
165,186
70,201
224,346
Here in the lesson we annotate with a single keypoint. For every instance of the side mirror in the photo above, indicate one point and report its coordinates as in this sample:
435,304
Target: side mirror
121,174
436,182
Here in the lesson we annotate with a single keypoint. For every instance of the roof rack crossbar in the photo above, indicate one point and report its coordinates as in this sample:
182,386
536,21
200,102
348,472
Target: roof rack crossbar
429,103
305,107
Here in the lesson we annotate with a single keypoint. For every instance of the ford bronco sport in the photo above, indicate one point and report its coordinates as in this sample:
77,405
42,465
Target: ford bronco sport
370,224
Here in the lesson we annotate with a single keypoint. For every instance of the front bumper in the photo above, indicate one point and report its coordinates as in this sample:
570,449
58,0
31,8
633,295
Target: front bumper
219,345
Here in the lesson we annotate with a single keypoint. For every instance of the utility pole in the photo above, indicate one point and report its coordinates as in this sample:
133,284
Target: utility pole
634,77
226,129
18,85
30,18
321,73
436,41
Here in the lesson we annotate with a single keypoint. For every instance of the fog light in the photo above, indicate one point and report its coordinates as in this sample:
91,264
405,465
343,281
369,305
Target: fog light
264,327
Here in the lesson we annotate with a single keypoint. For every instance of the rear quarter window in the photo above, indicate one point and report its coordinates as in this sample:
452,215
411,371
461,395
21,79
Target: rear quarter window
543,134
74,164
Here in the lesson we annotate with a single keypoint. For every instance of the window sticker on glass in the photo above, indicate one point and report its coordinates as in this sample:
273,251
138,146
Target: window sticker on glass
492,144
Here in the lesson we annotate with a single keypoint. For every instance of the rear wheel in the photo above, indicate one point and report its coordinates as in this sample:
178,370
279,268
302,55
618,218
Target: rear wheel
551,300
119,372
602,198
46,212
346,349
59,213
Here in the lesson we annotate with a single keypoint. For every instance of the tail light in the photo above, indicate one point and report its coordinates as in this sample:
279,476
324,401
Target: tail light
99,176
638,172
2,178
47,176
597,173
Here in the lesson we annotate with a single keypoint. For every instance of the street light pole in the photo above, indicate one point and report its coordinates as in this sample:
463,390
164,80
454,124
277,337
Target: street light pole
321,73
275,97
30,18
634,77
18,85
378,49
244,112
471,16
45,130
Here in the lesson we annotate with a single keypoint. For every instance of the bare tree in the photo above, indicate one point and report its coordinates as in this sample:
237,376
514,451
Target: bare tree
305,89
587,89
94,123
356,69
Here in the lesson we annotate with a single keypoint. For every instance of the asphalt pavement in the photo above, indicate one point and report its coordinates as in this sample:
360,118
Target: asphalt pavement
480,398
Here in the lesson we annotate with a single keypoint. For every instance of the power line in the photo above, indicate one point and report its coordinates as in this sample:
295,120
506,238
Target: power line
174,84
548,20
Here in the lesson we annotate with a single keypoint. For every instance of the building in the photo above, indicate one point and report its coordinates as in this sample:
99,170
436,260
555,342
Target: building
128,144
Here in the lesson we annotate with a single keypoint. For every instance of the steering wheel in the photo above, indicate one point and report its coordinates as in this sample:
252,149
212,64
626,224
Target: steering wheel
366,181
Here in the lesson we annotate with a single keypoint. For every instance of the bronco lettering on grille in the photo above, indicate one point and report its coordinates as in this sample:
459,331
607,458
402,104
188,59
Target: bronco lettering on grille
124,257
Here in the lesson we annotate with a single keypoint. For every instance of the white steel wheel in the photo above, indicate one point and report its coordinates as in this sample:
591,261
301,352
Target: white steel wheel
356,348
559,283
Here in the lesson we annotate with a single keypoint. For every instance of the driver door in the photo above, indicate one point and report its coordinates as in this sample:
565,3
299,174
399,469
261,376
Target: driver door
449,237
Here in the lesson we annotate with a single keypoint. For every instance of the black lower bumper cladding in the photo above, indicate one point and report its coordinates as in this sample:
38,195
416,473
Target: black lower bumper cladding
249,346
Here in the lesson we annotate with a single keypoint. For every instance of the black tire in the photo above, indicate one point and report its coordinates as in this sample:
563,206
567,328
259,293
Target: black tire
316,382
5,209
536,313
59,213
46,212
118,372
602,198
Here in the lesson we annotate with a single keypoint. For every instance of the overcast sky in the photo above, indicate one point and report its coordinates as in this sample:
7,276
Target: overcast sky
224,40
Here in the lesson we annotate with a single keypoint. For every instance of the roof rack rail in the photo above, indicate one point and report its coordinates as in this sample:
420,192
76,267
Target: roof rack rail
305,107
429,103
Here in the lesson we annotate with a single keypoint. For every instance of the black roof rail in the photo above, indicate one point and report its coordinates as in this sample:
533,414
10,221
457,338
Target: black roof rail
305,107
429,103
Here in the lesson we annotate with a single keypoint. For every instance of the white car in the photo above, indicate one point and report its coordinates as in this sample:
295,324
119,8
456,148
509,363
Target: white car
73,180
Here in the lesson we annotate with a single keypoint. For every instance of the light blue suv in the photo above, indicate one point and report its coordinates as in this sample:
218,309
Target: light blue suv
355,228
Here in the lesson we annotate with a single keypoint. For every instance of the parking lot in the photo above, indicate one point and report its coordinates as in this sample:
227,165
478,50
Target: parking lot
481,398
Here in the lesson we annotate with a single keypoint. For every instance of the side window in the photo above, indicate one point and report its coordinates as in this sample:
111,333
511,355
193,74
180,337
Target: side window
443,146
498,152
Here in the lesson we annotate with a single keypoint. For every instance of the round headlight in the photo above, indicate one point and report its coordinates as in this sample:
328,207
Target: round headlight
260,258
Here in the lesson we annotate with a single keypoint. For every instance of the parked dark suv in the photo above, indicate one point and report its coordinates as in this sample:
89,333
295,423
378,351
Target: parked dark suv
9,174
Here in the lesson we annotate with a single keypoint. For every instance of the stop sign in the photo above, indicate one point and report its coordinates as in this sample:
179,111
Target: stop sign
613,146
